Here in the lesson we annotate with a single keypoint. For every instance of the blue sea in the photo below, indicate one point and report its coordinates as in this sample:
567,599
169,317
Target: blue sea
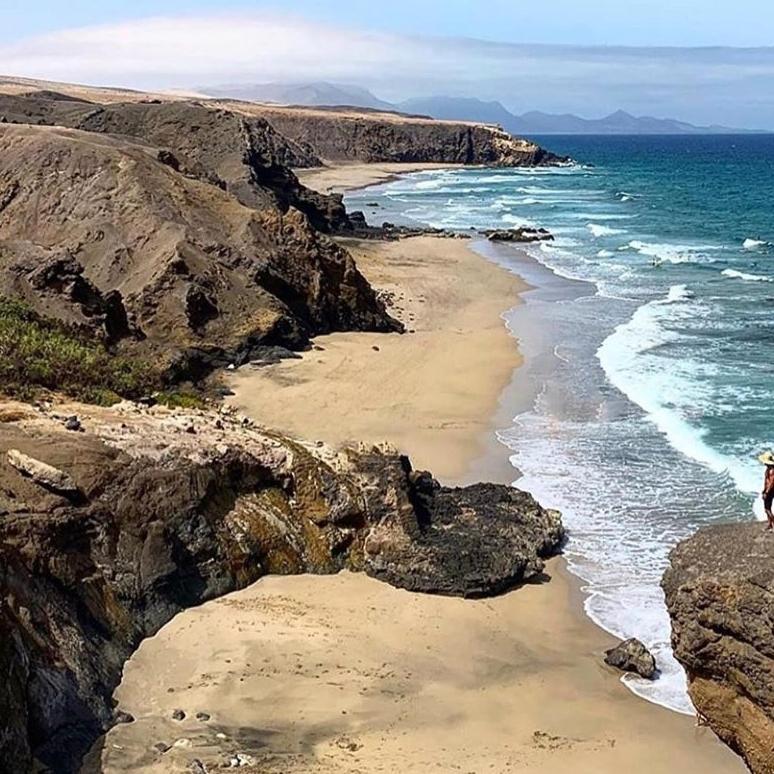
650,380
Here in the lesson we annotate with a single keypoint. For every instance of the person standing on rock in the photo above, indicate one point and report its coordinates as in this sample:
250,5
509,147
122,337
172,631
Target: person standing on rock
767,458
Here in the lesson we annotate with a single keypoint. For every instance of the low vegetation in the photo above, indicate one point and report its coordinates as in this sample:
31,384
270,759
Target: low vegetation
40,354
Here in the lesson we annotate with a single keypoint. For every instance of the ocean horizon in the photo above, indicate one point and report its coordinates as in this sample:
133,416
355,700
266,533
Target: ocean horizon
650,384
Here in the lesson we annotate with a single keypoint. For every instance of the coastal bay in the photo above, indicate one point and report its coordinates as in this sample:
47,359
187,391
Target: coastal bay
343,673
430,392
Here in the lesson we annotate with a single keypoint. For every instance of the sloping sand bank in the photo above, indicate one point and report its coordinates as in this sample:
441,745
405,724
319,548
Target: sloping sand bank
431,392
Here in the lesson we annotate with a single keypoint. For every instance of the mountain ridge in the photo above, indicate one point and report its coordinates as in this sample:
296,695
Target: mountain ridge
443,107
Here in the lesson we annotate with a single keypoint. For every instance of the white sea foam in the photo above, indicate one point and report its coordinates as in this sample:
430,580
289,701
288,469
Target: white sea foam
671,253
753,244
605,254
598,230
741,275
628,361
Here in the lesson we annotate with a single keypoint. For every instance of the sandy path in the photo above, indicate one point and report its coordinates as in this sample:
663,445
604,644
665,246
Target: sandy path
431,393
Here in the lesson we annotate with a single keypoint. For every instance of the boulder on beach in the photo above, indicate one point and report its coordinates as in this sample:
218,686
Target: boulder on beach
632,656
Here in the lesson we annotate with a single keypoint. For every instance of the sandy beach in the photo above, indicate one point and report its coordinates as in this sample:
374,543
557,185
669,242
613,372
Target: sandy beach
431,392
346,177
346,674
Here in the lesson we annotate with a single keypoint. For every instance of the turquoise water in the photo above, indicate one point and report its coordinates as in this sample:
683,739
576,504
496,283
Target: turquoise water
653,387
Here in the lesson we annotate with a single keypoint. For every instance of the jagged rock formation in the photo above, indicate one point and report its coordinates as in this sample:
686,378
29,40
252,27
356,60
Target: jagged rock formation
520,234
382,137
719,591
202,279
239,153
105,534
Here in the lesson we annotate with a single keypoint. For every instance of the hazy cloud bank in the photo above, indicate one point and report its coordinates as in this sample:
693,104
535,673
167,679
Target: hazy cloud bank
702,85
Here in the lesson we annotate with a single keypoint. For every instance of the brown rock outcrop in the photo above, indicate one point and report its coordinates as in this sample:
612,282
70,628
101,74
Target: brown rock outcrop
242,154
180,507
203,279
379,137
719,591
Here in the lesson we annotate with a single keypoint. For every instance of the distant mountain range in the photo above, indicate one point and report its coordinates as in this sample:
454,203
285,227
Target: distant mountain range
463,109
312,94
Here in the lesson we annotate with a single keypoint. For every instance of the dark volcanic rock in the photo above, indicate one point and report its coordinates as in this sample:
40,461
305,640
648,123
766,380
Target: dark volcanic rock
169,519
520,234
720,594
53,281
99,228
632,656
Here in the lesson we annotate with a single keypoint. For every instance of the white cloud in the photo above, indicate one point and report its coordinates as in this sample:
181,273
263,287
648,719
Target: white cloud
713,84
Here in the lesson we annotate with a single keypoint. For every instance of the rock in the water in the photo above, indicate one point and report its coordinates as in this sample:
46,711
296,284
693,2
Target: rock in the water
178,714
719,590
203,717
632,656
520,234
169,519
123,717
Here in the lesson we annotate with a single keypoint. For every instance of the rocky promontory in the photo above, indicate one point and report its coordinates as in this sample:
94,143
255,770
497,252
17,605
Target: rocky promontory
720,592
113,520
349,135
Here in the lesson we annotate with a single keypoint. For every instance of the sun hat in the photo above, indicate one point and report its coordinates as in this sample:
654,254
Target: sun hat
767,458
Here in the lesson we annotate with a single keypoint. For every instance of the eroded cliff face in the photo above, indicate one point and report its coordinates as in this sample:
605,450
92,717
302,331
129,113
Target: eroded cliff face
241,154
379,137
720,595
106,534
201,278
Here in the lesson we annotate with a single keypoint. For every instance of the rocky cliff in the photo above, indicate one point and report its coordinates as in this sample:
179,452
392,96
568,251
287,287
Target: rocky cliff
109,528
720,594
200,278
242,154
383,137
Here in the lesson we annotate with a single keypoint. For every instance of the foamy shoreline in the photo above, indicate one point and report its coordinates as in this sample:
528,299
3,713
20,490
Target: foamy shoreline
346,674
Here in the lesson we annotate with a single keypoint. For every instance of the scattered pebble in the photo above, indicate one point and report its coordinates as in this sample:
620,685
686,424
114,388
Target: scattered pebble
178,714
162,747
73,424
203,716
123,717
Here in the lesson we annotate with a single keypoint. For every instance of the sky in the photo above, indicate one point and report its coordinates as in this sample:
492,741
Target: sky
701,61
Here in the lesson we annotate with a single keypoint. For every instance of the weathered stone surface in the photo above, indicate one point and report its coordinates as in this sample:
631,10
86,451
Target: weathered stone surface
204,279
47,476
379,137
720,594
239,153
170,518
632,656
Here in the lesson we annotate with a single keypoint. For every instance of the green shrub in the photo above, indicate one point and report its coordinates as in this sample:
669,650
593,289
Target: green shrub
38,353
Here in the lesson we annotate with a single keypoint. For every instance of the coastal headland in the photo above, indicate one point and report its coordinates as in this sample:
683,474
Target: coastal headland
147,526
